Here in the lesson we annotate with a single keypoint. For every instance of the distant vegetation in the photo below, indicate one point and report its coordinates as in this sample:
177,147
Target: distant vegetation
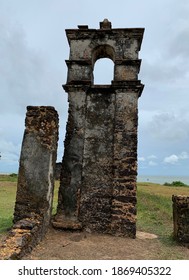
9,178
176,184
13,175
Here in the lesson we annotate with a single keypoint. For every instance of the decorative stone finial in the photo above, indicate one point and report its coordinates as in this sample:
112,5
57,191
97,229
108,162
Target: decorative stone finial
105,24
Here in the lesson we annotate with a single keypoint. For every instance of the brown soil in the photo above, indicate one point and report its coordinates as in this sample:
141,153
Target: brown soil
66,245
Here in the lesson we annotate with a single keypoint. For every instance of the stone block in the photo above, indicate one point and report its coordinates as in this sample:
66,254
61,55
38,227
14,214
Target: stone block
181,218
35,186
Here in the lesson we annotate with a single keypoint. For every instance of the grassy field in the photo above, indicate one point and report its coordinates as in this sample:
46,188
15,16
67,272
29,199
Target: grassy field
154,207
8,186
7,200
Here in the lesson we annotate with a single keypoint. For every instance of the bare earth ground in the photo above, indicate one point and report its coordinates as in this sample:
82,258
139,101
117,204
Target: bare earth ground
67,245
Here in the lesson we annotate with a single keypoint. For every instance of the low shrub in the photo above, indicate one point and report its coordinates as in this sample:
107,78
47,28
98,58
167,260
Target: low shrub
175,184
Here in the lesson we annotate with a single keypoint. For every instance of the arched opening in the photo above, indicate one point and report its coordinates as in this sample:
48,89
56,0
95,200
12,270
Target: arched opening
103,58
103,71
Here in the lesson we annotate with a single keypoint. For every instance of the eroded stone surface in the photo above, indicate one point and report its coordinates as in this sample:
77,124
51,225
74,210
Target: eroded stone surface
181,218
35,187
99,168
37,164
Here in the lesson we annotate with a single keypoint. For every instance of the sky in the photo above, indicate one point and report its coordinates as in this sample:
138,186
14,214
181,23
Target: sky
33,50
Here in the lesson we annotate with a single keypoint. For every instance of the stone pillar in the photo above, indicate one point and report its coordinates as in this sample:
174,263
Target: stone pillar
181,218
70,179
37,165
125,163
96,191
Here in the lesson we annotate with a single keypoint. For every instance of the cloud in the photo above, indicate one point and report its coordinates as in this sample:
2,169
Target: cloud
27,77
32,69
10,153
169,126
184,155
173,159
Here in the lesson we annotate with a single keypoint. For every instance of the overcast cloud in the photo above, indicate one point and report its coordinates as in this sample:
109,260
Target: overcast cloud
33,48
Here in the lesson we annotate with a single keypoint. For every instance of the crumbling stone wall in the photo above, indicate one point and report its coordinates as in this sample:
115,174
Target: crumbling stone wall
35,182
99,168
181,218
37,164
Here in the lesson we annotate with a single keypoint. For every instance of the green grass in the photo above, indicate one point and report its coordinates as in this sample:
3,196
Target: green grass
55,200
154,208
8,185
154,213
7,201
9,178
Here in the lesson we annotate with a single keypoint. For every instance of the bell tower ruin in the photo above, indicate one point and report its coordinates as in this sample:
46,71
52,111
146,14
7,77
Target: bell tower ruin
99,169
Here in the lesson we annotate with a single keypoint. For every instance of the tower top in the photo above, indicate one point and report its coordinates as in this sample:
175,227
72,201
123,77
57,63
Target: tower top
121,45
105,24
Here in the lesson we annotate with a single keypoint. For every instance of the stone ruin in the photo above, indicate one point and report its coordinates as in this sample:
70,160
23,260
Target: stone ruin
99,169
181,219
35,186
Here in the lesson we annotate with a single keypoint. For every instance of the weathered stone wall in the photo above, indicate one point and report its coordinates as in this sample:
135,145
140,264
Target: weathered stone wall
35,182
181,218
37,164
125,163
70,180
99,168
97,171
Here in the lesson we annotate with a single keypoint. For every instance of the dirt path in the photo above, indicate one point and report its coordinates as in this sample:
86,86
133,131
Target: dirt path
66,245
